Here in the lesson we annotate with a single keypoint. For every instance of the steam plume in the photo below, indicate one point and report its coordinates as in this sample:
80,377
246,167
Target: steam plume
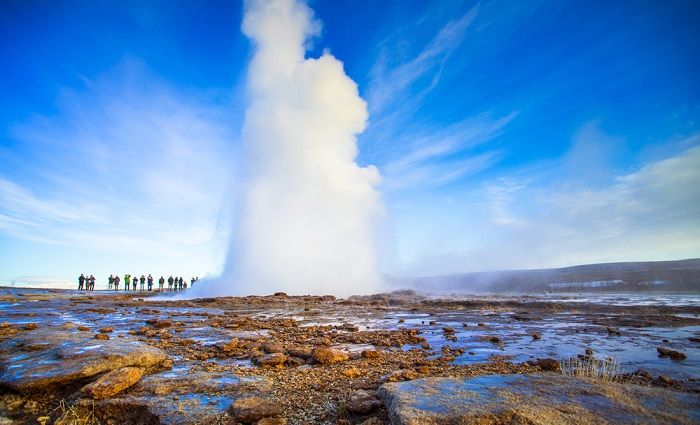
307,214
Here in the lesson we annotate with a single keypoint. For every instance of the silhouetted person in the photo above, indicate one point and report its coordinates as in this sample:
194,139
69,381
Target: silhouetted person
91,283
134,282
170,283
150,282
143,282
127,281
81,282
192,282
161,283
110,282
180,282
117,279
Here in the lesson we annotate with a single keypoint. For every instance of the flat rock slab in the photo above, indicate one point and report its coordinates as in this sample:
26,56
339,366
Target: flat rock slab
68,357
534,399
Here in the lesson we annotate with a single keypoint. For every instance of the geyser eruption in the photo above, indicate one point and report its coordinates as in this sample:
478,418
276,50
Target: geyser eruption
308,212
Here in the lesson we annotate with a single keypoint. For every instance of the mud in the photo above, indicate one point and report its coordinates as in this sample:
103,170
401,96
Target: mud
312,356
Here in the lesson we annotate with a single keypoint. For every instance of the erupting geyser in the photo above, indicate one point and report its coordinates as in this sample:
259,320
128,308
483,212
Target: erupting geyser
307,214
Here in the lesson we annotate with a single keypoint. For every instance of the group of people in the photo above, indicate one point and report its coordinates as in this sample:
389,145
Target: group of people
86,282
131,282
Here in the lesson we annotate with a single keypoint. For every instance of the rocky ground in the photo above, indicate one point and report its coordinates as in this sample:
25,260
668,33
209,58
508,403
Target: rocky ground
104,357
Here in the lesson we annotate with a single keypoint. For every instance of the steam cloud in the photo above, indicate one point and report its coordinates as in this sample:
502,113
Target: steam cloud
307,214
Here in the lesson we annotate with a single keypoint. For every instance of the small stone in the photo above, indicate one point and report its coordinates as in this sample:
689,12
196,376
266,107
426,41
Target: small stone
371,354
294,361
589,352
402,375
548,365
252,409
536,336
324,355
30,326
448,330
672,354
113,382
352,372
272,421
106,330
273,347
83,328
481,325
362,402
271,360
102,336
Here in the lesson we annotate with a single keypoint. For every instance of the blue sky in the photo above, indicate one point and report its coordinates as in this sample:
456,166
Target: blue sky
509,134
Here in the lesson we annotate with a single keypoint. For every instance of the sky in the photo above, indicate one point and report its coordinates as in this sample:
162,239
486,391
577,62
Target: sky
507,134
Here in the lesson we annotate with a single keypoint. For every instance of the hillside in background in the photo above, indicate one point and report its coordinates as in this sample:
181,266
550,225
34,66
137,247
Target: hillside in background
674,276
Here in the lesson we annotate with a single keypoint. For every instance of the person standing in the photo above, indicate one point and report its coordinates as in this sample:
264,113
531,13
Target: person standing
81,282
180,282
150,282
117,279
110,282
192,282
161,283
127,281
92,283
134,281
170,283
143,282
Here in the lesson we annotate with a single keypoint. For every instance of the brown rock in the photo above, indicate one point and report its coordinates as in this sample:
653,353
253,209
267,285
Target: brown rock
30,326
371,354
548,365
160,324
303,352
362,402
673,354
106,330
252,409
326,355
352,372
113,382
402,375
273,347
536,336
83,328
272,421
102,336
271,360
294,361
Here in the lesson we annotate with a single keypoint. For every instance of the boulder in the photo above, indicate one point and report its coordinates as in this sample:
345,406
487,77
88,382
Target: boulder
70,357
535,399
252,409
113,382
325,355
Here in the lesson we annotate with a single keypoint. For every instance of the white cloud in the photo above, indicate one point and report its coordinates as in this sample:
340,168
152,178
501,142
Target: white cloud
125,164
526,220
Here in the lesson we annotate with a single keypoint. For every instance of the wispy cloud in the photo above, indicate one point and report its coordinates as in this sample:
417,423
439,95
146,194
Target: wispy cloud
389,85
126,164
529,220
416,154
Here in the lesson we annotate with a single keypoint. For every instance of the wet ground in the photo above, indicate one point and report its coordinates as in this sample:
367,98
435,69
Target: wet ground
217,345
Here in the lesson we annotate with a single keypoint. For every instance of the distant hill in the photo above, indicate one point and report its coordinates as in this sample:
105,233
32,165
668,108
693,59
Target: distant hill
672,276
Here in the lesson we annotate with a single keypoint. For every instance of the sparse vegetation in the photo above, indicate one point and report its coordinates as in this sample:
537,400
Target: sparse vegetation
590,367
76,415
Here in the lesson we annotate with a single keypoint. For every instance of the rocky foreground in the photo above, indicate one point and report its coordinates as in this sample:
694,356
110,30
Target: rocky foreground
395,358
